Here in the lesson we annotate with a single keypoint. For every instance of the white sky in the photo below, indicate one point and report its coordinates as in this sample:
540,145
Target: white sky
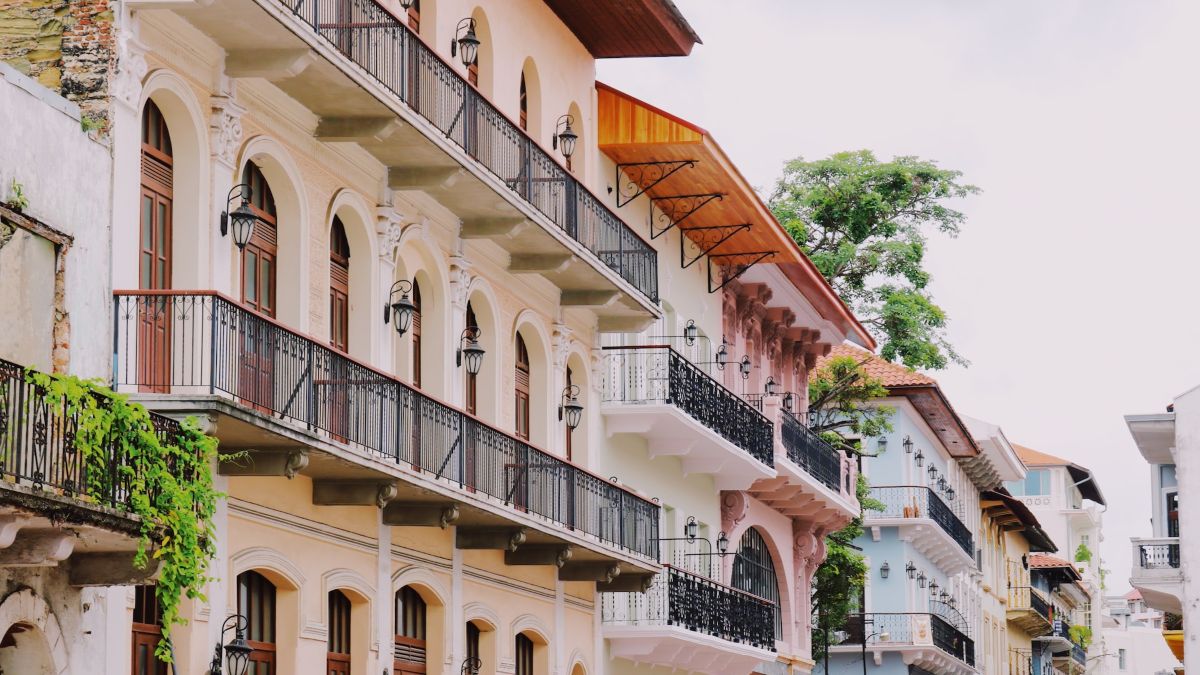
1068,288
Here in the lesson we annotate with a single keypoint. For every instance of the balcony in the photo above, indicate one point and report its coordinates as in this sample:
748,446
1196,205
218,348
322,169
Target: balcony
297,405
1156,573
937,642
927,523
1029,611
52,505
815,481
688,622
655,392
369,80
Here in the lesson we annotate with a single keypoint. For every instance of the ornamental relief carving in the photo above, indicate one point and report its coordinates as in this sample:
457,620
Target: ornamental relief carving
225,129
734,507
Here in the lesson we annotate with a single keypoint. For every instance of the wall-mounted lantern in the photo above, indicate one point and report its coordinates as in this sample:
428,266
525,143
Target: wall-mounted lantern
772,387
569,407
469,350
236,652
911,569
690,332
746,367
919,457
564,137
241,219
722,543
722,356
908,445
789,401
400,311
691,528
465,42
885,570
921,580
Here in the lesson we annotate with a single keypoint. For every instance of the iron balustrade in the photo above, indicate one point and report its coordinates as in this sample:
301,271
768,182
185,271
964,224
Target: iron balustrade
810,452
1027,597
698,604
38,445
952,640
387,50
1061,628
1078,654
1158,556
913,501
202,343
897,628
659,374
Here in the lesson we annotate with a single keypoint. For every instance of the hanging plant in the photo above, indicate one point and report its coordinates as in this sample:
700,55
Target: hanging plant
166,482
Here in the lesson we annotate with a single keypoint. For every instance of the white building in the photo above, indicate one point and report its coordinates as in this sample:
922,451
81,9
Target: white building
1133,642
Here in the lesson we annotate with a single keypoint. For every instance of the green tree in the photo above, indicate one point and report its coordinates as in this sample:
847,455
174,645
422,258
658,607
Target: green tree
840,393
864,224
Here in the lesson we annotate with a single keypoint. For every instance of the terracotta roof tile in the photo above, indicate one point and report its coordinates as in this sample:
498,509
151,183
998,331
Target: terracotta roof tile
1135,594
890,374
1043,560
1033,457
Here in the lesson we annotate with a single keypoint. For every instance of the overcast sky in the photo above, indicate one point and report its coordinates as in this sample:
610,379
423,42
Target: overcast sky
1071,288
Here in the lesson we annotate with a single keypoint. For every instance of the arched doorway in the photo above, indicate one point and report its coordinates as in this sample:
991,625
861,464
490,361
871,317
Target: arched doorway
411,642
256,602
754,572
147,632
337,661
339,286
154,249
521,380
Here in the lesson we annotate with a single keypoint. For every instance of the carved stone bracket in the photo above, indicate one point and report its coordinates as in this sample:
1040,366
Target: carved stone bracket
131,70
460,281
225,129
561,345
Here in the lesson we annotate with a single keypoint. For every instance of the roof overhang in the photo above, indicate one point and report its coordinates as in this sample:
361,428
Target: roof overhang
1014,515
627,28
1154,435
997,460
1086,482
634,133
937,412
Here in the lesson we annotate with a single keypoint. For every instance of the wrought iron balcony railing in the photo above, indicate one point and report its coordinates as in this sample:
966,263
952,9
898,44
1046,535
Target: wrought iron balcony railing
38,449
899,628
1158,556
912,501
810,452
1029,598
1078,654
384,47
200,342
659,374
698,604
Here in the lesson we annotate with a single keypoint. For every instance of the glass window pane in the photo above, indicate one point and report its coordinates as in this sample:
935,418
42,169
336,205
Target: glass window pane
145,271
268,285
147,221
250,283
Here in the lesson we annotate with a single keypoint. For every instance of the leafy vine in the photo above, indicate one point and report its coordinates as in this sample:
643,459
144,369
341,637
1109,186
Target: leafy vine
167,483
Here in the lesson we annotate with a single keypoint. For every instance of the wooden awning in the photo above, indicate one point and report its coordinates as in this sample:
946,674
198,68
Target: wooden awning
625,28
701,192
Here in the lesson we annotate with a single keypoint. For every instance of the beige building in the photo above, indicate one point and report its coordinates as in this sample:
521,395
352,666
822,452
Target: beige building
513,364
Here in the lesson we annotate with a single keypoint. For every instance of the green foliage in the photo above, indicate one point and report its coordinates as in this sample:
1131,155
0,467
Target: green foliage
838,395
864,224
170,484
1081,635
1083,554
17,199
89,124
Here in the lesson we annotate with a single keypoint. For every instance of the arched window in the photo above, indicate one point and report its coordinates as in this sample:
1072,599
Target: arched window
524,655
416,335
339,287
147,632
524,115
258,258
410,633
522,390
154,247
754,571
472,382
256,602
472,641
337,661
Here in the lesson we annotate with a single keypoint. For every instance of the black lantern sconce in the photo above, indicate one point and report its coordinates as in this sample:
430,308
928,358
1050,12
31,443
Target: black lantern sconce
400,310
933,588
236,652
921,580
691,528
470,666
722,543
881,445
789,400
911,569
241,219
469,350
691,332
908,445
943,596
942,484
932,472
885,570
950,493
407,4
465,42
746,367
952,602
722,355
564,137
569,407
772,387
919,457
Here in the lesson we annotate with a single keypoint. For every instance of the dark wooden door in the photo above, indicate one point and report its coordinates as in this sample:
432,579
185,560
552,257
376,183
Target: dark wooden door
410,638
256,377
147,632
256,602
154,251
337,661
335,390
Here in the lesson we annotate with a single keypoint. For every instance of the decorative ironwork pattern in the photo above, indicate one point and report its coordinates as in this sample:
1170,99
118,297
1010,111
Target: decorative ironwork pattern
952,640
698,604
707,239
386,49
1078,654
219,347
912,501
725,267
653,374
674,209
635,178
810,452
37,445
1158,556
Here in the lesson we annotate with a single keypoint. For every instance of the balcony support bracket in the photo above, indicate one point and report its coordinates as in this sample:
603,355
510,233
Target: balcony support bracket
353,493
286,463
491,228
525,263
589,571
539,555
730,266
356,129
420,515
269,64
627,583
675,209
491,538
635,178
708,238
110,569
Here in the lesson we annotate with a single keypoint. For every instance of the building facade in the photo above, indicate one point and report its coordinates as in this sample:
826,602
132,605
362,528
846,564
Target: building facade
1133,638
510,367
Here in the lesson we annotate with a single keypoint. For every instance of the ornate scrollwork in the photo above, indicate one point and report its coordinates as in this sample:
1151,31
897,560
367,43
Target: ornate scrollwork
675,209
633,180
725,267
707,239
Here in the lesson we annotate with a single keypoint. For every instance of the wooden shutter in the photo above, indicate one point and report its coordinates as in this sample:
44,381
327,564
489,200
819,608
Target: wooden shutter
522,390
256,602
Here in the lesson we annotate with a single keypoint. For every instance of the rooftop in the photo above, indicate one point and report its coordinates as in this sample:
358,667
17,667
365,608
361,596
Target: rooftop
1083,477
628,28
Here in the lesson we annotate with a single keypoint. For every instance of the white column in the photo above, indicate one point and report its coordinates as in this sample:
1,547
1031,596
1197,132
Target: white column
460,290
225,139
383,598
561,350
559,667
458,624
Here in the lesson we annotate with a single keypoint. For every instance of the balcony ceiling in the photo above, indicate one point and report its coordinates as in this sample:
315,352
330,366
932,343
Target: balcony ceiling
929,539
682,650
627,28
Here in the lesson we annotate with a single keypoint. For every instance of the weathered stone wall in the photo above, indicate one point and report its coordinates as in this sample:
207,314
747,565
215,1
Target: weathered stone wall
68,46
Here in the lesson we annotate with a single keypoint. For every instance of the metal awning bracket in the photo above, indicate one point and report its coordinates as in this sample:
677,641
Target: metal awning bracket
675,209
635,178
710,237
735,266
